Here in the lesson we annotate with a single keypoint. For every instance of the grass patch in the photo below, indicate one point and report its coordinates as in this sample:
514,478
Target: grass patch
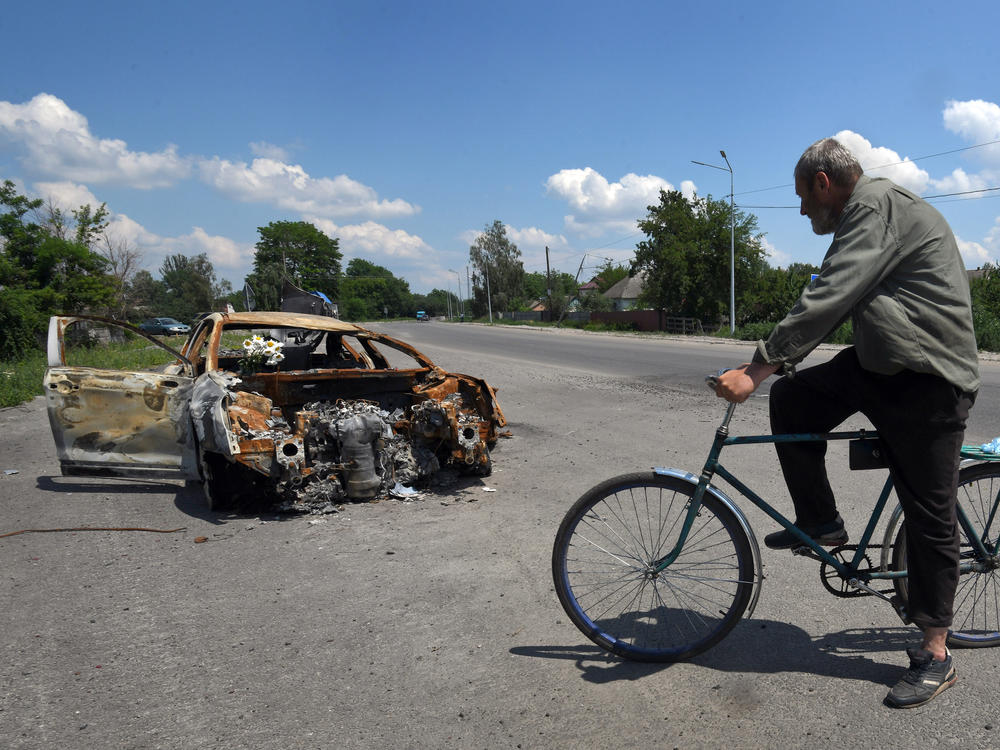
134,353
21,379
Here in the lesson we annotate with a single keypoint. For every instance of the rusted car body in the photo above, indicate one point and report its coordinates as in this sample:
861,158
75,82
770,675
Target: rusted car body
347,414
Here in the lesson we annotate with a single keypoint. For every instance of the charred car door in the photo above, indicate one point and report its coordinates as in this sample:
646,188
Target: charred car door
118,401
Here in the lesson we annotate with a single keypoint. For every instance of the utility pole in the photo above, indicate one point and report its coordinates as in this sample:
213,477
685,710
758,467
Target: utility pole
732,237
576,284
489,303
548,280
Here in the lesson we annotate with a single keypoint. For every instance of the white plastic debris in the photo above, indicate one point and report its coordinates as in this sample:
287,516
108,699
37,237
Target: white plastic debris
400,491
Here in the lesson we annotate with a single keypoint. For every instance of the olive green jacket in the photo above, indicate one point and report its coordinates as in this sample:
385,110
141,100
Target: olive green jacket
895,269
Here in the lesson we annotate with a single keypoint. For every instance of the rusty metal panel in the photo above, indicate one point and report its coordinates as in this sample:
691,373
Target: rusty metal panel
135,421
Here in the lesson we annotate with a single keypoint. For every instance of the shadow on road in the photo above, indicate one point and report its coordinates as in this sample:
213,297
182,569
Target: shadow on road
107,485
762,647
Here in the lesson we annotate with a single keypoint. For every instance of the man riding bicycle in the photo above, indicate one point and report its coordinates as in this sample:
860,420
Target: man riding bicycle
893,267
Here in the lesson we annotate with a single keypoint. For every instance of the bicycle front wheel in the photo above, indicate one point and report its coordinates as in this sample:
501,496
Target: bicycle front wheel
603,566
976,621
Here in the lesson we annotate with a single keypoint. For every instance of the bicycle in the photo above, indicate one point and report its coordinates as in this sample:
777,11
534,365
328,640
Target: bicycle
659,566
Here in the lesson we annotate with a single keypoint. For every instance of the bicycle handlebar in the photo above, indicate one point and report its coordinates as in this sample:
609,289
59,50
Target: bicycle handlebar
712,381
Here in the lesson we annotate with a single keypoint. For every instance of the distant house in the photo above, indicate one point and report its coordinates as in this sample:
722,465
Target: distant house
625,294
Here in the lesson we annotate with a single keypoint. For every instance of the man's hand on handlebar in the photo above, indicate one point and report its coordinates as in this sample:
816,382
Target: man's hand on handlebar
736,385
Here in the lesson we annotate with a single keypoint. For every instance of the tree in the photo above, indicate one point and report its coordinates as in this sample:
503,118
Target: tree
370,291
686,257
42,274
123,262
596,302
190,286
563,287
437,302
497,261
146,296
298,251
609,275
775,292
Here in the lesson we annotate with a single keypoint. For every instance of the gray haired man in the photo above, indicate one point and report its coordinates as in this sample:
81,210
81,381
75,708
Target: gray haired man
894,268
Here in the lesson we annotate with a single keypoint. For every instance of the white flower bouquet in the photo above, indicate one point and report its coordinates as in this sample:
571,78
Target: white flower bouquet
258,351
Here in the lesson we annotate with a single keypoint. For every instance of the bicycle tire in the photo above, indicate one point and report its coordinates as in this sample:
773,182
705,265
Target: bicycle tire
601,567
976,621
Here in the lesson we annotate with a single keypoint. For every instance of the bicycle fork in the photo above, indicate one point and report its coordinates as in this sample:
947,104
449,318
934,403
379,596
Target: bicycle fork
694,504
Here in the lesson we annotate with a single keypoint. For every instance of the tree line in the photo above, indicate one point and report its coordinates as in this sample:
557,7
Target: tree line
57,263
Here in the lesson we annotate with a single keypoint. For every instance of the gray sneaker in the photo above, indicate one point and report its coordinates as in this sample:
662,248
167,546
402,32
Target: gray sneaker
926,678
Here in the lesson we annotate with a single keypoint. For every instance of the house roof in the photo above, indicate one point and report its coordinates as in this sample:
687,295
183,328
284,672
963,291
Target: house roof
628,288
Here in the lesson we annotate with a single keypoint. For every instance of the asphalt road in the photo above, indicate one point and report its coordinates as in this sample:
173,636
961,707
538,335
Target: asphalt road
434,624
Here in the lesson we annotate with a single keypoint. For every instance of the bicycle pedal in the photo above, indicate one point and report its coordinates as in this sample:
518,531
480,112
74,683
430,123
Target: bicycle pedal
804,551
900,608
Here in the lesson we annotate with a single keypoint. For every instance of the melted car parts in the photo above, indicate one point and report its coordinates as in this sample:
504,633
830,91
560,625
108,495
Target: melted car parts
348,414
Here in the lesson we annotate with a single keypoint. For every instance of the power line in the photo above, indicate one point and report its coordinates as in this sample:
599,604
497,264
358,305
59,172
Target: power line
882,166
925,197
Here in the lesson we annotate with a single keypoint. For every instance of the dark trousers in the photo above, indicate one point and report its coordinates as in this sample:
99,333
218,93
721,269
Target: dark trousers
921,420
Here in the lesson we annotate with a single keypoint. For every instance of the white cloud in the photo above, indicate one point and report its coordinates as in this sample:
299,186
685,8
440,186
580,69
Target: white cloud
288,186
229,258
533,238
878,161
66,196
688,190
959,182
137,236
54,141
974,254
225,254
373,241
978,122
600,206
58,143
268,151
775,257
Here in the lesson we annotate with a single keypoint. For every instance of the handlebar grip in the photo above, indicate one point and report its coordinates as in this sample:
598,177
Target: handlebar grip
712,381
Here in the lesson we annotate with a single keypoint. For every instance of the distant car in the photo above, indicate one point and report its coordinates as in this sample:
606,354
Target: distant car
421,315
164,326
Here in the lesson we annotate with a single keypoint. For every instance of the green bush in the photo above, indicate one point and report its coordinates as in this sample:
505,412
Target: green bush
21,378
618,325
754,331
757,331
987,328
22,327
843,335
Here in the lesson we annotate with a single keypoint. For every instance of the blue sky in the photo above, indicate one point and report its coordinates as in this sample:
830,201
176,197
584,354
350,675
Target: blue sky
404,128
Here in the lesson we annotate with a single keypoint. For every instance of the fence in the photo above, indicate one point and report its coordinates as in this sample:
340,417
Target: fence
639,320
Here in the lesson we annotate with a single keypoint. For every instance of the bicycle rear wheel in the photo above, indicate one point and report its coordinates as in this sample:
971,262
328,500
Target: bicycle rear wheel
976,621
602,563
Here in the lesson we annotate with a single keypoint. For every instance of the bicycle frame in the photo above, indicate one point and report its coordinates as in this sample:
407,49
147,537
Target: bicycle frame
847,571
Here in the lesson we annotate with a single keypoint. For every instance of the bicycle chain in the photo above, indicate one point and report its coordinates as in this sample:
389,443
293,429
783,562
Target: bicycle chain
838,586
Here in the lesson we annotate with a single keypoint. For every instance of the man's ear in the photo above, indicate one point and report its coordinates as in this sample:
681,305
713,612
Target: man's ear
821,182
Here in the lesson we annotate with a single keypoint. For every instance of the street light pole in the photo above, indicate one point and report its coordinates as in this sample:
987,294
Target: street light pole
458,301
732,237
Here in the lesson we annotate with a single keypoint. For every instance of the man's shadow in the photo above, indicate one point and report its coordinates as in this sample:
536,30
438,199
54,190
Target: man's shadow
757,646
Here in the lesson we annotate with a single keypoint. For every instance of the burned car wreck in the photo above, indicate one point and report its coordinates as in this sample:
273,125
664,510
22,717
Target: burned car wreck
299,411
